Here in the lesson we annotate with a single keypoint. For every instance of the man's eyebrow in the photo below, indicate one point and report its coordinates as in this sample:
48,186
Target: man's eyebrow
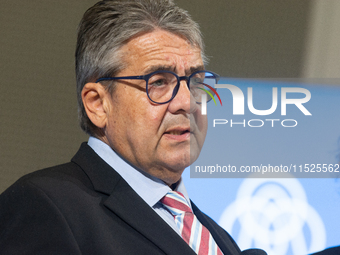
173,69
194,69
160,68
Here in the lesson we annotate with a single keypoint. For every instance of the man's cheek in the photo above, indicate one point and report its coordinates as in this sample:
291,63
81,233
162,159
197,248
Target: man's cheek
203,127
202,123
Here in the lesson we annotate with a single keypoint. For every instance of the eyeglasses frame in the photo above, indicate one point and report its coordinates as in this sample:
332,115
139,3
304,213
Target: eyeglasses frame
147,77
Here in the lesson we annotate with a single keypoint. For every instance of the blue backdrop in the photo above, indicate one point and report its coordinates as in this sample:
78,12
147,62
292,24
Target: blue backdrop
295,212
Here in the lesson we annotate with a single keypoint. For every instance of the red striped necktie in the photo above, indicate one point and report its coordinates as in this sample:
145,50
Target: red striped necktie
192,231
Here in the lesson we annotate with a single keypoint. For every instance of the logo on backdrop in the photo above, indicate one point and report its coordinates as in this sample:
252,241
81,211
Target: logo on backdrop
204,97
239,105
274,214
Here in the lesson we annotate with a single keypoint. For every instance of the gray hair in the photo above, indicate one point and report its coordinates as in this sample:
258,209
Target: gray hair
108,25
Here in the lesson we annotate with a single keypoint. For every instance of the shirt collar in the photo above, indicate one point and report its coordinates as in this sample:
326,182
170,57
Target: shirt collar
149,188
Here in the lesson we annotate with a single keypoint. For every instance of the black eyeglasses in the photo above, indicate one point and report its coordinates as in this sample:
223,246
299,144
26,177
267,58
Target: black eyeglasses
162,86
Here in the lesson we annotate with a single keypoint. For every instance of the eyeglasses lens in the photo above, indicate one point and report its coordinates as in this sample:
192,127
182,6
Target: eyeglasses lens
161,86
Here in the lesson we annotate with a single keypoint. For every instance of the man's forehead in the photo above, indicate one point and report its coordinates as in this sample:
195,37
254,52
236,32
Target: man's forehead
162,46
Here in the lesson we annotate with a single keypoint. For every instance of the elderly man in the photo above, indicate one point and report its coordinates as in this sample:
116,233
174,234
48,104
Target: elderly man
140,78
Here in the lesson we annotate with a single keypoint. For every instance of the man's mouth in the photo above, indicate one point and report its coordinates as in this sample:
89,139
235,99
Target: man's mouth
179,134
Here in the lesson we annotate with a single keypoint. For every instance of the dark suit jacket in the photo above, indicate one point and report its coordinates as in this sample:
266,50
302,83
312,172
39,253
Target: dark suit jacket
329,251
85,207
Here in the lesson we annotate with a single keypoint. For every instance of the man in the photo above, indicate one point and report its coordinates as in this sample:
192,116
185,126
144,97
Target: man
140,70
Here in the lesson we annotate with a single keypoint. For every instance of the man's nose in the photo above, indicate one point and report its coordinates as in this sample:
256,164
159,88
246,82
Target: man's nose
183,101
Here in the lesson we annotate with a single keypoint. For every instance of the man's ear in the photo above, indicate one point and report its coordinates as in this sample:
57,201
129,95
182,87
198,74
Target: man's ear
95,99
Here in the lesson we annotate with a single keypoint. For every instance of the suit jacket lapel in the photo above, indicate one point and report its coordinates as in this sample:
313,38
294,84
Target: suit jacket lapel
127,204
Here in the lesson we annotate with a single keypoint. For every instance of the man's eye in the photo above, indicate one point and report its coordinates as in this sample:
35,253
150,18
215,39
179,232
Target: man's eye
159,82
196,80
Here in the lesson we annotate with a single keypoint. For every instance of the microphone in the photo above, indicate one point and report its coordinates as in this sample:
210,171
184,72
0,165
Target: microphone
253,252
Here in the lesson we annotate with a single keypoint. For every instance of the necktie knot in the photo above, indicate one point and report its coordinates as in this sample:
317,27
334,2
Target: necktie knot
176,203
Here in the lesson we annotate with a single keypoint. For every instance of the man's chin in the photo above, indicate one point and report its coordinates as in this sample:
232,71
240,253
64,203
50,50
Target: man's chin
171,166
178,165
170,174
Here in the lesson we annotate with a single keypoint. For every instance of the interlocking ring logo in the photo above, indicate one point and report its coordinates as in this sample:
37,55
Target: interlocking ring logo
274,214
